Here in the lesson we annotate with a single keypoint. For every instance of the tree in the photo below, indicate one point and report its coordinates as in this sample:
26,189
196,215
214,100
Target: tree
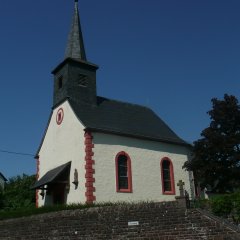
17,192
1,198
216,156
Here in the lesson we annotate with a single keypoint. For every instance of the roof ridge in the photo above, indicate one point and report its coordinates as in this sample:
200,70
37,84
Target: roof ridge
109,99
121,101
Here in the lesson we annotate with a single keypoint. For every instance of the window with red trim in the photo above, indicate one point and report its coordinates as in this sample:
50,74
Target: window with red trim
167,176
123,173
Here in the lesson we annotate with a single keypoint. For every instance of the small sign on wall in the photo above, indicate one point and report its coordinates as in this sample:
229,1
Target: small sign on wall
133,223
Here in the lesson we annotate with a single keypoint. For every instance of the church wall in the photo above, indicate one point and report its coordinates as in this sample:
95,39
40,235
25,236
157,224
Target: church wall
145,164
63,143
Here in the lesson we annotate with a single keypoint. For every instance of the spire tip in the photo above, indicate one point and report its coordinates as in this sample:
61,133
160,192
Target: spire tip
75,46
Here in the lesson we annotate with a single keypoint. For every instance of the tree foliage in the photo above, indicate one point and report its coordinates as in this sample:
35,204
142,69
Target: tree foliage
1,198
216,156
17,192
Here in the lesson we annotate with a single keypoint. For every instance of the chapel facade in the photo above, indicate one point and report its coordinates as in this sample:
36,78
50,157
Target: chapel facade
97,149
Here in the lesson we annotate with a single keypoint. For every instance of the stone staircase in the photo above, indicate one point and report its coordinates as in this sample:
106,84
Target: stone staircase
163,221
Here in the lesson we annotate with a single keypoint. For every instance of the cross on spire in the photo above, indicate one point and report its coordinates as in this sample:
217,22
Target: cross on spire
75,45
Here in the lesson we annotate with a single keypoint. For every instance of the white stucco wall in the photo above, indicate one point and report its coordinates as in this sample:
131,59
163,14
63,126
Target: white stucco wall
145,162
64,143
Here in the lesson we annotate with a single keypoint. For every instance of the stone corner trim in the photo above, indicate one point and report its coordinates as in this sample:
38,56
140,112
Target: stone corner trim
37,177
89,167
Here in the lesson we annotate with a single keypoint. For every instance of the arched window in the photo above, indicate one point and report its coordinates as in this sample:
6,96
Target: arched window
168,184
123,173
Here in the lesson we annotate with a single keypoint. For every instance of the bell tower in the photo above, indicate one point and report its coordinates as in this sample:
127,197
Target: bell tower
75,77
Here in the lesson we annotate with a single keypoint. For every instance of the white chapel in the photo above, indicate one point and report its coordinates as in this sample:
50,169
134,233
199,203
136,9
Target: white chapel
96,149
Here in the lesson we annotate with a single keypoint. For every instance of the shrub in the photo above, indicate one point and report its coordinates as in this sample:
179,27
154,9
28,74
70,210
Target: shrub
201,203
17,192
1,198
222,205
236,207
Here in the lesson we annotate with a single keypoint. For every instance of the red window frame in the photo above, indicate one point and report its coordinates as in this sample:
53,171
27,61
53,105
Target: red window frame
129,173
172,192
59,116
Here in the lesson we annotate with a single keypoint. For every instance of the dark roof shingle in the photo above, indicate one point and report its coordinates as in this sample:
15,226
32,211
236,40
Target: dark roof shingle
51,175
125,119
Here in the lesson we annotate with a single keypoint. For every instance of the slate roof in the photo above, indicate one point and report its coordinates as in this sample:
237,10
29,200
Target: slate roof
125,119
75,45
51,175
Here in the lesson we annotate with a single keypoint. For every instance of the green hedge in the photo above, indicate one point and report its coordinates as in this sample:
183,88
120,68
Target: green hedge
227,205
222,205
30,210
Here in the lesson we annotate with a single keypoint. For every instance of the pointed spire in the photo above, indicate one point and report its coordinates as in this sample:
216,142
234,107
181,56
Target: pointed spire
75,46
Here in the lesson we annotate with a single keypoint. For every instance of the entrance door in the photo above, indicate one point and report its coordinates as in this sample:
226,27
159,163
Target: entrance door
59,194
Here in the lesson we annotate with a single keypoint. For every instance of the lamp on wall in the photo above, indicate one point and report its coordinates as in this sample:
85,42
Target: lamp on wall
75,180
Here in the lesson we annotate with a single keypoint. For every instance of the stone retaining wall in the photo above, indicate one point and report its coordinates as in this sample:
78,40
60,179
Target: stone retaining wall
163,221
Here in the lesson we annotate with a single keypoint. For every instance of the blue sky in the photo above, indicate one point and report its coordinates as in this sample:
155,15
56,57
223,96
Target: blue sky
172,56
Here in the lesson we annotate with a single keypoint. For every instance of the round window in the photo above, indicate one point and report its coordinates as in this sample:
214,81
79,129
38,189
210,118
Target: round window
59,116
